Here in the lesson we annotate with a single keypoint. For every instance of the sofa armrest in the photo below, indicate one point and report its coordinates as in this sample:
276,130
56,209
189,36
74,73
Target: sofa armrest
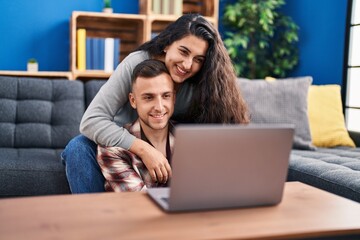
355,136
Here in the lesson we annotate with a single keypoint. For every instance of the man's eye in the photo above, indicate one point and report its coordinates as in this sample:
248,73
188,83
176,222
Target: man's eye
147,98
169,95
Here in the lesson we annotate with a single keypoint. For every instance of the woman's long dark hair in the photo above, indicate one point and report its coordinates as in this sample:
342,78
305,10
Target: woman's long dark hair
217,98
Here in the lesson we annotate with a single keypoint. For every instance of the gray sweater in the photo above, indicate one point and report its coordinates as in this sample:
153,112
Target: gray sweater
110,109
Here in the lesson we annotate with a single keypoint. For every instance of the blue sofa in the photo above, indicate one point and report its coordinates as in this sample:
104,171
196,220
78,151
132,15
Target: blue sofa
39,116
37,119
296,101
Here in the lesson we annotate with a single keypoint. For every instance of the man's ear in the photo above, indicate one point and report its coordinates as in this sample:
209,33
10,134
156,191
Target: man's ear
132,100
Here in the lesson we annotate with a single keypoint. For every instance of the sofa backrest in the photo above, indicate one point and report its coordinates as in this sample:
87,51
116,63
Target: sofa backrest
91,89
39,113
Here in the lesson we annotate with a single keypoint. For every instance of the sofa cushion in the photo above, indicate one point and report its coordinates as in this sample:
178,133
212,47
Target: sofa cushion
31,171
336,170
40,113
281,101
326,118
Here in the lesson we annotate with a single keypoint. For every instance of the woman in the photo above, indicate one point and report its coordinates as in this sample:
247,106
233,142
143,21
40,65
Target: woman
197,60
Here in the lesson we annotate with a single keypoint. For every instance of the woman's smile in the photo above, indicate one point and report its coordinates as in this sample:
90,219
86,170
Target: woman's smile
185,57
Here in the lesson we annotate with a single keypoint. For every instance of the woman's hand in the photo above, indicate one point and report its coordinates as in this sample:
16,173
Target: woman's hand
156,163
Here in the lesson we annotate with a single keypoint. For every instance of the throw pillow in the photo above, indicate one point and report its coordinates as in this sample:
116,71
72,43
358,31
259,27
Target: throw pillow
327,124
282,101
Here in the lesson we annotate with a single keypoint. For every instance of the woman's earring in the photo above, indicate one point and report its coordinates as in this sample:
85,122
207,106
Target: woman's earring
164,51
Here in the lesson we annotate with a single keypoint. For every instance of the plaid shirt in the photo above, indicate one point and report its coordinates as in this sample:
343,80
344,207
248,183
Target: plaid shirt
123,170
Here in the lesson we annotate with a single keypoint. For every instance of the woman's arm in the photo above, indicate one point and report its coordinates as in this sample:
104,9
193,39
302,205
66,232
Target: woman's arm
156,163
98,121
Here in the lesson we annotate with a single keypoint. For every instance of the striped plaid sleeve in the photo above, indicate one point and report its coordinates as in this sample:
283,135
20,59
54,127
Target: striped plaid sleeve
116,166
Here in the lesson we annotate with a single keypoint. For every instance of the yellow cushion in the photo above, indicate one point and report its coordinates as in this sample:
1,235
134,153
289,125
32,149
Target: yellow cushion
326,119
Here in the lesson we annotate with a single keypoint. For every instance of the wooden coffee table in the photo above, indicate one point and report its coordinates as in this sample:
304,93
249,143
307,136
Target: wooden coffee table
304,212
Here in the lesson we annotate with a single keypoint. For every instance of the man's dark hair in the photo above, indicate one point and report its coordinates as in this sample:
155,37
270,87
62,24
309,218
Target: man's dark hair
148,69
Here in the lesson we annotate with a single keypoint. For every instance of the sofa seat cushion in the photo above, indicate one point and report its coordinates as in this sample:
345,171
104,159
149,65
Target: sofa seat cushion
31,171
336,170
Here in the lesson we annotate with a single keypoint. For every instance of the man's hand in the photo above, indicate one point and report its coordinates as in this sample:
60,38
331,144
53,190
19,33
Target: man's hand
156,163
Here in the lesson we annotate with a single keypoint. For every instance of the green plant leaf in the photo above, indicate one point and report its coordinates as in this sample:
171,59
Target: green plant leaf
261,41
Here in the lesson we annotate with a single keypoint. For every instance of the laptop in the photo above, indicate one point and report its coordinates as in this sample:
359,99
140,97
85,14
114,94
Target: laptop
226,166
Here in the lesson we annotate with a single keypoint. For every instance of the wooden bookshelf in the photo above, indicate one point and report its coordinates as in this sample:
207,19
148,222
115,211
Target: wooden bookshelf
39,74
158,22
207,8
90,74
132,29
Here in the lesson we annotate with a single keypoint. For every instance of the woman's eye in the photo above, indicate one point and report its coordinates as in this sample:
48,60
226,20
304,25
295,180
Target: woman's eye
183,52
199,60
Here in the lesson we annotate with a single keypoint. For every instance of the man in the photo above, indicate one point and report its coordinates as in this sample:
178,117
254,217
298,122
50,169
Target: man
153,97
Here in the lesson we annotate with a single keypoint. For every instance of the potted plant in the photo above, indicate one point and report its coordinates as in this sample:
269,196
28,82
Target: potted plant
32,65
260,40
107,6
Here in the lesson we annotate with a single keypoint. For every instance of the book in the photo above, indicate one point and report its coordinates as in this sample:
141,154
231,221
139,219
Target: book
109,55
81,49
89,64
101,58
98,53
178,7
156,6
154,34
172,7
165,7
117,42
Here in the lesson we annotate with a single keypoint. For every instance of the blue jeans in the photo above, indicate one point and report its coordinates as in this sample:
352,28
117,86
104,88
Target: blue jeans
82,169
